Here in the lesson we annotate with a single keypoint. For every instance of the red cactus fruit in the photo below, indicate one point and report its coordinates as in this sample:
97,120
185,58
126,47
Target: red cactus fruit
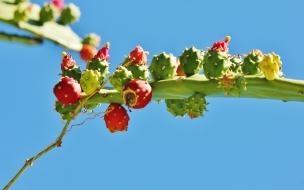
67,61
138,56
103,53
116,118
59,4
67,91
221,45
87,52
137,94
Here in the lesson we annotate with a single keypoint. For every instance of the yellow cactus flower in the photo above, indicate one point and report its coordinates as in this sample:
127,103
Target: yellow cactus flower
271,65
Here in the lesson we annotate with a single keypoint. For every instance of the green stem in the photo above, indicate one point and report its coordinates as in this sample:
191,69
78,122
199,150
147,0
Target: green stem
20,39
257,87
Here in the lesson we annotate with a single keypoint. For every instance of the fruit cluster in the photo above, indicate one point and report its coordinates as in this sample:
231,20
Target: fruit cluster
131,77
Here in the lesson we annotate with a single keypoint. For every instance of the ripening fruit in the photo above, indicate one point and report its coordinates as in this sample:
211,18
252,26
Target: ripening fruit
67,91
137,94
116,118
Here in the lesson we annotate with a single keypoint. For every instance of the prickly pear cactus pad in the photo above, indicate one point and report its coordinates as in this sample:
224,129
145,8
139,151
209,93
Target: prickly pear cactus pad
232,84
271,66
196,105
177,107
163,66
139,71
48,13
101,65
91,39
251,63
90,80
120,78
40,21
73,72
69,14
66,111
191,61
236,65
216,60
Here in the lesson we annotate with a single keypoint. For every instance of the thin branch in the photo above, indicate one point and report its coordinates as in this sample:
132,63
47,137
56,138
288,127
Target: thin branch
28,40
58,142
29,162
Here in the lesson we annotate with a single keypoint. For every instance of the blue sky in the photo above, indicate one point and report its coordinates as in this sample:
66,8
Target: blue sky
239,143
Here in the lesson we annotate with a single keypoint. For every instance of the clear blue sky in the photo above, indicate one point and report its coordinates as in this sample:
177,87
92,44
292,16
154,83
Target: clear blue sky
239,144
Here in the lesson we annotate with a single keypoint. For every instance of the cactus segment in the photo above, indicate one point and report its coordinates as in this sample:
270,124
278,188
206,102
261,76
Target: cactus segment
236,65
101,65
232,84
90,107
271,66
191,61
73,72
90,80
251,63
216,64
66,111
21,14
69,14
91,39
120,78
196,105
48,13
139,71
176,107
163,66
17,2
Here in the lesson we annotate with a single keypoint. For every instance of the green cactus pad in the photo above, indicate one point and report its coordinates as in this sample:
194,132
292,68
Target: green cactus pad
74,73
48,13
20,1
21,14
65,111
163,66
196,105
100,65
90,107
251,63
120,78
90,80
176,107
216,63
236,65
191,61
139,71
69,14
233,84
91,39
